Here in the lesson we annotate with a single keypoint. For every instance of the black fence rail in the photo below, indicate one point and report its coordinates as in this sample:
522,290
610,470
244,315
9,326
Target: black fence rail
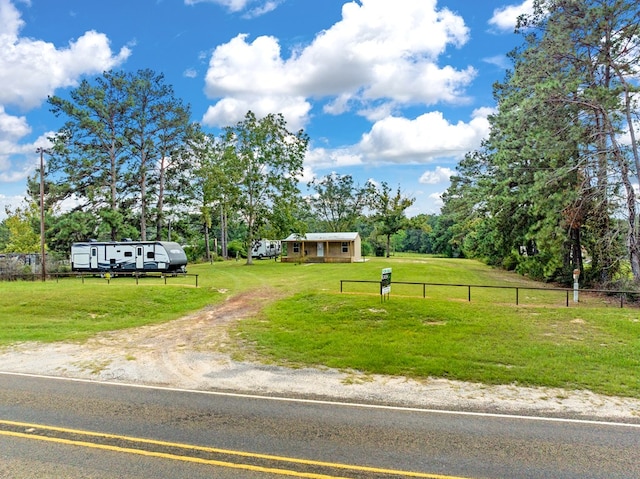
107,276
517,289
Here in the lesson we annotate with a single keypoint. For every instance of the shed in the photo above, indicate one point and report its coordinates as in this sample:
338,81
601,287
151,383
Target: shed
322,248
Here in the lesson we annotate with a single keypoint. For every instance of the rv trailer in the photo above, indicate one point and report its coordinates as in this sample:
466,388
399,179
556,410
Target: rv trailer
128,257
265,248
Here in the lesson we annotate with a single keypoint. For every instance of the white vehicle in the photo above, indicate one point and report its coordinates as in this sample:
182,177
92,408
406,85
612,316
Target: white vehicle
265,248
128,256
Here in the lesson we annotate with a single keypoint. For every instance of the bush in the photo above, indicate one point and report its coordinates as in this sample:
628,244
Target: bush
236,248
366,249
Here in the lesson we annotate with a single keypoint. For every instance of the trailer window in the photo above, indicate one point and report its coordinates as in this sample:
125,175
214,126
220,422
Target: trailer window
150,255
128,254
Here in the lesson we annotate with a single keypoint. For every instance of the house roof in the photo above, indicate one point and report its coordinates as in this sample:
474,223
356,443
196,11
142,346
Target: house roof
322,237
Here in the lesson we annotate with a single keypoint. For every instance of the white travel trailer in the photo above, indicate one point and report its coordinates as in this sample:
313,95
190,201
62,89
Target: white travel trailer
265,248
128,257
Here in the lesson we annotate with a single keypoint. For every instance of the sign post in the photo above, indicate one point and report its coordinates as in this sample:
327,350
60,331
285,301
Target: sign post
576,275
385,283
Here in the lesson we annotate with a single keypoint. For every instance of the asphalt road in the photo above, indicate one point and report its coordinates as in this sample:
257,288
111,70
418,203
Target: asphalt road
54,428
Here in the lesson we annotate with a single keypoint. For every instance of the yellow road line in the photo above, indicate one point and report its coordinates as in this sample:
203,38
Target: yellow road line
206,449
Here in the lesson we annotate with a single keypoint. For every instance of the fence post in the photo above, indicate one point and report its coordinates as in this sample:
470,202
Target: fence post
469,295
517,296
424,290
341,286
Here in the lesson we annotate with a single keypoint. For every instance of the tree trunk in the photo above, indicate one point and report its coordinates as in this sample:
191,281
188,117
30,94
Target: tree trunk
160,202
206,242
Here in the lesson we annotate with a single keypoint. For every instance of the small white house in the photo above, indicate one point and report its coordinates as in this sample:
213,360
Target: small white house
322,248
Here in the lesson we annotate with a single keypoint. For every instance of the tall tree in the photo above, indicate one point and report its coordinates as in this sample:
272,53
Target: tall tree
159,125
389,212
555,172
265,161
90,150
338,201
119,147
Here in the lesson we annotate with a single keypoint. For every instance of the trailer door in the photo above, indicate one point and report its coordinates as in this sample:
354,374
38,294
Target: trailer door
139,257
93,262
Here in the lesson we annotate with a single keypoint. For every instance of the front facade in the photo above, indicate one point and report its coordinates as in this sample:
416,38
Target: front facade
322,248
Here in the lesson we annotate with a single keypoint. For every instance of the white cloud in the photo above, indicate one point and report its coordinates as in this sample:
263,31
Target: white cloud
429,136
12,128
11,202
32,69
190,73
231,110
434,177
505,18
235,6
377,53
231,5
332,158
501,61
437,199
260,10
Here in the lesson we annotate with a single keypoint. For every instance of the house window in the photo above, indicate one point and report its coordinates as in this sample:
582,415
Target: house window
345,247
296,247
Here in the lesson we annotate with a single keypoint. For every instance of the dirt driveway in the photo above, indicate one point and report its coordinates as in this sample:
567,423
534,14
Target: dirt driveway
196,352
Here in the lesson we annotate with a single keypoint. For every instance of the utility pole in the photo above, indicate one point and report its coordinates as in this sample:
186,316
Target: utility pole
43,260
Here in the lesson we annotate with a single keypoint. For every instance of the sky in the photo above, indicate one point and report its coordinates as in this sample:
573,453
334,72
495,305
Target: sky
387,90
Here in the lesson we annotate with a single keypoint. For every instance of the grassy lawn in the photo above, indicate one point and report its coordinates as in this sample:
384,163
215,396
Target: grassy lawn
540,342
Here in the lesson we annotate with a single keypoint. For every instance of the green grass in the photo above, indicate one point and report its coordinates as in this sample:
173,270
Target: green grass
586,348
541,342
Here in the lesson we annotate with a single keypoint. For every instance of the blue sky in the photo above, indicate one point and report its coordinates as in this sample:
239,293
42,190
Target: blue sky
387,90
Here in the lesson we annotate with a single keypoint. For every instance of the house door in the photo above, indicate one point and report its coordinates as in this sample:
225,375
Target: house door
320,250
93,262
139,257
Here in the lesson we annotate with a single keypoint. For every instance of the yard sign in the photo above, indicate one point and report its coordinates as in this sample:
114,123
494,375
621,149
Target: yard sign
385,282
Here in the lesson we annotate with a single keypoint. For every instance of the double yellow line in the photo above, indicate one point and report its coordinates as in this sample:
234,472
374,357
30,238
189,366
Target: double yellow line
35,431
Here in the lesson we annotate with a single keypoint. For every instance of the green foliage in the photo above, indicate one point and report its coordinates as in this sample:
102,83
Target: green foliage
118,150
22,237
542,183
338,202
264,160
5,235
389,212
366,249
237,249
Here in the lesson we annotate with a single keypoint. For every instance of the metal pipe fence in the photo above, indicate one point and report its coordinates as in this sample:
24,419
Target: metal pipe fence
517,289
108,276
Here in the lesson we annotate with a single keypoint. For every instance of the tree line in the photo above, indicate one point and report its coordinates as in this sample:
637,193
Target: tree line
551,192
129,162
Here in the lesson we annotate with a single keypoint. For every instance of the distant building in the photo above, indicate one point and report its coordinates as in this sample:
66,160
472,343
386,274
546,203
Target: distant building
322,248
